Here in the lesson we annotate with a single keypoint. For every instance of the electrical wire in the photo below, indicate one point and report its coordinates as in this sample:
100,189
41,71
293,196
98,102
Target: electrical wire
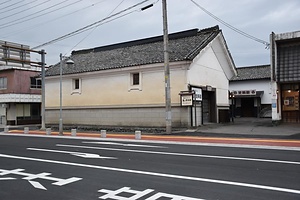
95,27
267,44
90,26
8,24
26,9
6,2
10,5
17,8
20,31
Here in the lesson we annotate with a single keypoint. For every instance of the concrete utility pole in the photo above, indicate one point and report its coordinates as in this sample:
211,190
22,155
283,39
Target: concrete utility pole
167,70
43,89
60,127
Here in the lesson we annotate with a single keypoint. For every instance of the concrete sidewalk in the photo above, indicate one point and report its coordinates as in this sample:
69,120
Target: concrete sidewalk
248,127
240,128
244,131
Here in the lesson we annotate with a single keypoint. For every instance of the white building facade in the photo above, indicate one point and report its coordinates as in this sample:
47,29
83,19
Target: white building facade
123,84
250,92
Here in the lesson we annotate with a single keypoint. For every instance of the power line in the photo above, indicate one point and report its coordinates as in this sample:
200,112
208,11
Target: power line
88,27
18,31
96,26
16,8
10,5
8,24
267,44
6,2
21,11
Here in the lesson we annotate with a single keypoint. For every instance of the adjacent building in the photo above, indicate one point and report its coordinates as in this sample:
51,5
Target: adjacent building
250,92
285,69
20,87
124,85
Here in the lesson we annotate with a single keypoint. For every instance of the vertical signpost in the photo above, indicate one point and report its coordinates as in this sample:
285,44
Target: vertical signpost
197,98
186,100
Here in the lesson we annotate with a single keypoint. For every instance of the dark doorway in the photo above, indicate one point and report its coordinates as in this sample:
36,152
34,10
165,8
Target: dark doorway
247,105
209,106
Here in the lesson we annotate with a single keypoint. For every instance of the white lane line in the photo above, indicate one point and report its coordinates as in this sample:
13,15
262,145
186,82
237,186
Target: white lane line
37,185
240,184
7,179
79,154
125,144
183,154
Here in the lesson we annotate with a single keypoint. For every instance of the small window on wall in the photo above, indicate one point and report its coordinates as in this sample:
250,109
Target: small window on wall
35,83
76,86
3,83
135,81
135,78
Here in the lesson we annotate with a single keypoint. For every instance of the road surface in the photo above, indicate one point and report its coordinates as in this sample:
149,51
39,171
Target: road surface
62,168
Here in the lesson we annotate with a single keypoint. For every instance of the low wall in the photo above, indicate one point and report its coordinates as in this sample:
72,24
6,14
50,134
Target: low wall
143,117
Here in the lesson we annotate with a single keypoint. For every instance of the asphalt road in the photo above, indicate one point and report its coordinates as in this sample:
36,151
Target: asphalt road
84,169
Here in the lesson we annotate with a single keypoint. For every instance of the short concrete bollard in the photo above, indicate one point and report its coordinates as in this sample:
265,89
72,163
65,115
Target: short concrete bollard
103,133
26,130
48,131
73,132
138,135
6,129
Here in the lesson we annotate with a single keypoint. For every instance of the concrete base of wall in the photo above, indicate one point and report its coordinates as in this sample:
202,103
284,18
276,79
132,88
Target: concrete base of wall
134,117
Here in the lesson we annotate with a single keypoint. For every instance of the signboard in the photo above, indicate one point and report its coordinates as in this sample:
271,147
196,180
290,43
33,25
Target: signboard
14,54
187,100
198,94
244,92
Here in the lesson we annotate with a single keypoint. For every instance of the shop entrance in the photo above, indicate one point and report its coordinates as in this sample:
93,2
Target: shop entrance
247,105
209,107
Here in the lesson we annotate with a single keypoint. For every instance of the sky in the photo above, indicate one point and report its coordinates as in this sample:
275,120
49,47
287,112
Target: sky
36,22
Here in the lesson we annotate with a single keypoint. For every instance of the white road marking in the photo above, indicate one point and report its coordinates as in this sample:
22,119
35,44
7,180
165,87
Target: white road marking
184,154
37,185
232,183
110,194
117,195
125,144
44,175
79,154
161,195
7,179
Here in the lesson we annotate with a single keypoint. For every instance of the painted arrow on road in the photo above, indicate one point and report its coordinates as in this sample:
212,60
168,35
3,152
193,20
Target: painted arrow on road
79,154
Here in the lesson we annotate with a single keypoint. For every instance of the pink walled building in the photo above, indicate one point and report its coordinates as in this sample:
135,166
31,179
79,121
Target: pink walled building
20,86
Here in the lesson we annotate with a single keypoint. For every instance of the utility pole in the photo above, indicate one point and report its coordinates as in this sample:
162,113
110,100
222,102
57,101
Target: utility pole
167,70
43,89
60,127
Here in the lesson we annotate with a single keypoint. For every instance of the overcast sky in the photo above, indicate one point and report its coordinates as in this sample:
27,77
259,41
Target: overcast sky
35,22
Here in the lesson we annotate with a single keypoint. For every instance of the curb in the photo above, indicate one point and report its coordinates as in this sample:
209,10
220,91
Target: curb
172,138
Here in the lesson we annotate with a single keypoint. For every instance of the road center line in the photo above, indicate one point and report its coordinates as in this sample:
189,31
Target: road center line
183,154
240,184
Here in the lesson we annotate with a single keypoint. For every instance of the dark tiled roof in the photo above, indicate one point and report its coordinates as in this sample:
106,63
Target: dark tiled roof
182,46
253,73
